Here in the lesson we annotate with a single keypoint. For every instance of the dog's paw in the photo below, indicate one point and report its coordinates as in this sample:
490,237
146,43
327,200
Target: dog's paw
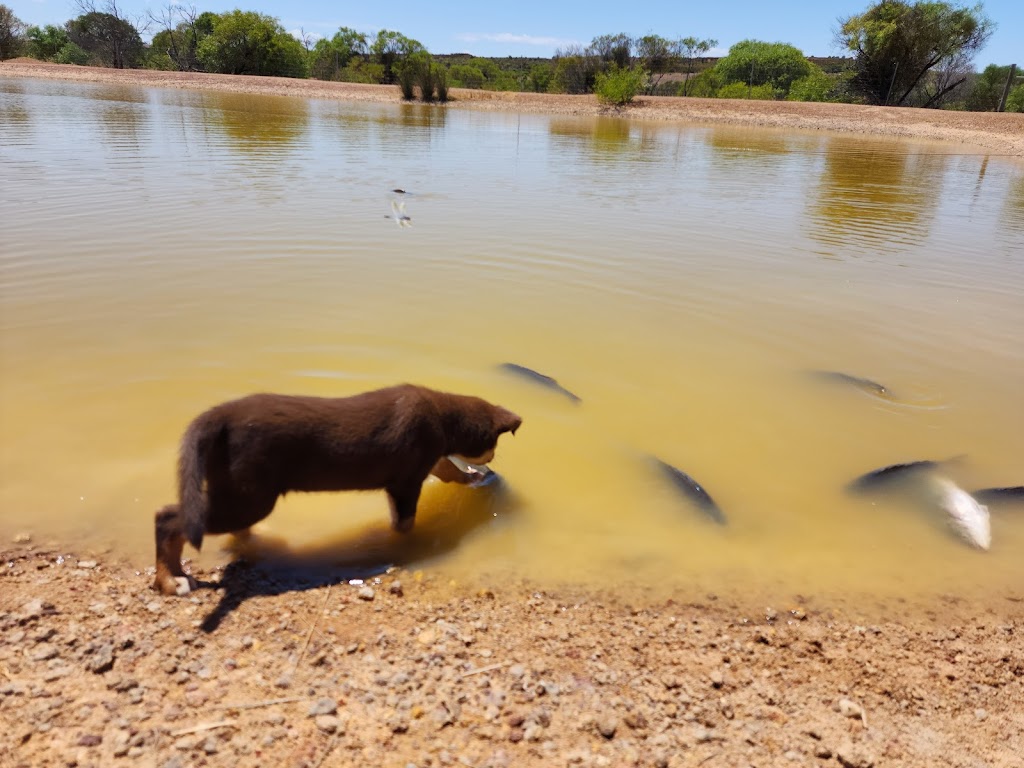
175,586
404,525
184,584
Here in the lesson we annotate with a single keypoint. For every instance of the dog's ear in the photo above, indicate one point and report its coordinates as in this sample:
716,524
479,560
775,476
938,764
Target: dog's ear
506,421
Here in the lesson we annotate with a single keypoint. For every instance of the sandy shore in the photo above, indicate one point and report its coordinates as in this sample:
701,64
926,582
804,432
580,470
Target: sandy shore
258,670
1000,133
262,669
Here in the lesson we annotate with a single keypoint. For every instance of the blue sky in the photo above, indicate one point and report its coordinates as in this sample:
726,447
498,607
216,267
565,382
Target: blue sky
538,27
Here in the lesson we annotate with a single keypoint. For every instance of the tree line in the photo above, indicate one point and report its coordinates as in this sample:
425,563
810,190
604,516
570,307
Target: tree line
900,53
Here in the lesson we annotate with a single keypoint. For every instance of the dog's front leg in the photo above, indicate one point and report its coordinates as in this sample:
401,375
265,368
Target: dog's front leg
403,507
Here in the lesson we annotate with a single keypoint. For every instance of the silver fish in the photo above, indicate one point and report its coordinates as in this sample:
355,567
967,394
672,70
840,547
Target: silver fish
968,518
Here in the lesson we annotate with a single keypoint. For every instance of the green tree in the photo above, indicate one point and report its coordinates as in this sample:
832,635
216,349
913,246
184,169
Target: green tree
176,45
988,89
613,50
896,45
691,49
251,43
658,56
329,58
44,43
12,34
755,62
575,71
538,79
108,39
389,48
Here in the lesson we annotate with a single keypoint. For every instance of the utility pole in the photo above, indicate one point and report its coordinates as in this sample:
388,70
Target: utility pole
1006,88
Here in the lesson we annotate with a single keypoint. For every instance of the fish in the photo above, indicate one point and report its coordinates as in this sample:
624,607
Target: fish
485,473
967,518
878,479
996,495
865,385
398,210
693,490
539,378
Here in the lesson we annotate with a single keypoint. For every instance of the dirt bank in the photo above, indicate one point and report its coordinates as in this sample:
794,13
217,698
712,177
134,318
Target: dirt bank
257,670
1000,133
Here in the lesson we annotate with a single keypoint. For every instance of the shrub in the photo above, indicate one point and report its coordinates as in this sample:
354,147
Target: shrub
817,86
362,71
743,91
539,78
705,85
619,85
441,82
467,76
1015,101
72,54
425,79
407,83
574,73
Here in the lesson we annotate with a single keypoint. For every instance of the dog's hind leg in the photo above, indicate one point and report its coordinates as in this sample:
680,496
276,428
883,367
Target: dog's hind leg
171,579
403,507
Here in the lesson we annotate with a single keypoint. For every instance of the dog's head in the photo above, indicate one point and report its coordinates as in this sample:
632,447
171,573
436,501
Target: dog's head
476,427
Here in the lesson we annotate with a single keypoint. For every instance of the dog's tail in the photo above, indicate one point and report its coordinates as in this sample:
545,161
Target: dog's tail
192,476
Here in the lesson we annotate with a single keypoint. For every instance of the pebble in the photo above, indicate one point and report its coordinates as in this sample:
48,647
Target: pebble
396,588
717,679
323,706
328,723
22,538
607,726
980,714
849,708
87,564
101,659
45,652
703,735
365,593
851,755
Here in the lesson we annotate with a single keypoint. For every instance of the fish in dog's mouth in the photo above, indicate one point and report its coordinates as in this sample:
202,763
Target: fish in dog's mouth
470,469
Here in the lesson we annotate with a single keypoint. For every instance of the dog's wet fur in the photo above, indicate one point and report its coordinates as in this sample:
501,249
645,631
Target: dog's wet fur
238,457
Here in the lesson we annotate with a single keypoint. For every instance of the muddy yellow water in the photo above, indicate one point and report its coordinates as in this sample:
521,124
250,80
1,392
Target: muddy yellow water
162,251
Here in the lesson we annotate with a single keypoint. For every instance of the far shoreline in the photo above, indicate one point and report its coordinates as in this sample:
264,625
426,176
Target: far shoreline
999,133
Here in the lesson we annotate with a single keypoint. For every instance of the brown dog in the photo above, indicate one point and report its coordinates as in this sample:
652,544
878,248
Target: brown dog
238,457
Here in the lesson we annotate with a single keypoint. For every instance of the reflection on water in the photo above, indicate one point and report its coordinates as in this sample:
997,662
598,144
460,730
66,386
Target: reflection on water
874,200
257,124
609,138
166,250
124,123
